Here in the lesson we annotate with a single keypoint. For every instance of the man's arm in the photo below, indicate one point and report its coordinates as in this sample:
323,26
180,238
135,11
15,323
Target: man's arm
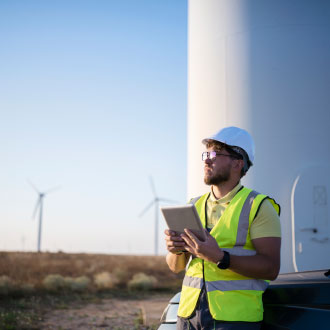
177,263
176,259
264,265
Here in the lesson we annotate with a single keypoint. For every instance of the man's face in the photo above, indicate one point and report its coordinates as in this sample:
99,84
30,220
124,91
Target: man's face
218,169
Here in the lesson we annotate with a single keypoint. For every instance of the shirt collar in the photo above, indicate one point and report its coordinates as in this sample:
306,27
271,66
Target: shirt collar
228,197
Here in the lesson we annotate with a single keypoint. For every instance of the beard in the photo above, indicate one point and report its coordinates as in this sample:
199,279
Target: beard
217,178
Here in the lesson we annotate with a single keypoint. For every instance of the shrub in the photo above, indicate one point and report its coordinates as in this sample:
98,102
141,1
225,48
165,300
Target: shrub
80,283
68,282
6,284
77,284
54,282
105,280
122,275
142,282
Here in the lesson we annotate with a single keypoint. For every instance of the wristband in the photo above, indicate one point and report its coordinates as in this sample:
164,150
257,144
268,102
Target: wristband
180,252
224,263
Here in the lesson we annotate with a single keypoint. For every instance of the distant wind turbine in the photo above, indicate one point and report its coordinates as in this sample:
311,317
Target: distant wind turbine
39,205
155,202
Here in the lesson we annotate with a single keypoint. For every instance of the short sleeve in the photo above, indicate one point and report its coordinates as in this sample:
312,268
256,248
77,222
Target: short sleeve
266,223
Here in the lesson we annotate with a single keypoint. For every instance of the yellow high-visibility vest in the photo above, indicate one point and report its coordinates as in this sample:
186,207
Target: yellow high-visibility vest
231,296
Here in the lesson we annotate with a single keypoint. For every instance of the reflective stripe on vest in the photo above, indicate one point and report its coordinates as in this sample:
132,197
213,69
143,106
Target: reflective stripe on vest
193,282
197,283
236,251
243,222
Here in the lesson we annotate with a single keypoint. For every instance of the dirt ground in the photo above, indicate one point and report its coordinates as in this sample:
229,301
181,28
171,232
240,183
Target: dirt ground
114,313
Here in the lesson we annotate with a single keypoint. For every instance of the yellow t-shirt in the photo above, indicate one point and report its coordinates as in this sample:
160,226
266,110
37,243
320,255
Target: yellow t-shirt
265,224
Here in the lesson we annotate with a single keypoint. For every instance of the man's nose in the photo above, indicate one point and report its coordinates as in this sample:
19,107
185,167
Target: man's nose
208,161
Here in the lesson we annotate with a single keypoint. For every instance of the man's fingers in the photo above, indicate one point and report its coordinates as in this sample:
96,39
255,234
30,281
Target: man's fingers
177,244
188,241
191,236
173,238
189,249
174,241
169,232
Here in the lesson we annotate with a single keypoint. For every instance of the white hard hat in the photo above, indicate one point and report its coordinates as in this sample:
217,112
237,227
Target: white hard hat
235,137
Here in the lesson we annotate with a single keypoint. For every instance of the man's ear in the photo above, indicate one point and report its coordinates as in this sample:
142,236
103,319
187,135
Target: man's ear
239,164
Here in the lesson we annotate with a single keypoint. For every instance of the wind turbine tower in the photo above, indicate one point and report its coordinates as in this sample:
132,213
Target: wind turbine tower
39,205
155,202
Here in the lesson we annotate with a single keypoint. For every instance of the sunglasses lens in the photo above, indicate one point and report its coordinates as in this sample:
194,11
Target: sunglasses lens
209,155
213,154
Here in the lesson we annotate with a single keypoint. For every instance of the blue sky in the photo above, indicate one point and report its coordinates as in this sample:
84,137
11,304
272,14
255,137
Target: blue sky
92,99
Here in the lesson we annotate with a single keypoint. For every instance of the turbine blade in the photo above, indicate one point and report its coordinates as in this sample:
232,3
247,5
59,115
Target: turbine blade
52,189
152,186
33,186
146,208
36,208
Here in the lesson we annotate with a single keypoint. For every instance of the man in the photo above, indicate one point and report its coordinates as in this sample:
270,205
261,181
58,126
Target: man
229,271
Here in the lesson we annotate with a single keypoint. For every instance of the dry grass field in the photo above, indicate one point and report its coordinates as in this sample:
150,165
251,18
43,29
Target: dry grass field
30,269
83,291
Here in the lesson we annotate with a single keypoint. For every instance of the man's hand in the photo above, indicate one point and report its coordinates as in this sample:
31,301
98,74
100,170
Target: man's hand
174,243
208,250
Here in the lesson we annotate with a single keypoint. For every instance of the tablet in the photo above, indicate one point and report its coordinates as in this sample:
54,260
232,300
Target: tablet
184,216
